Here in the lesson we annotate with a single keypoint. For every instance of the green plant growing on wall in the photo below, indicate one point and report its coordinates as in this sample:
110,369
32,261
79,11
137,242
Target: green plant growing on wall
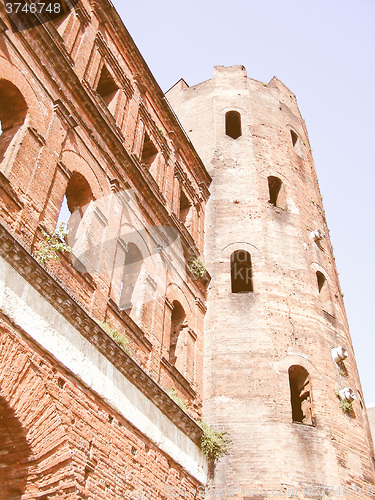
346,406
178,400
213,443
118,337
197,267
54,242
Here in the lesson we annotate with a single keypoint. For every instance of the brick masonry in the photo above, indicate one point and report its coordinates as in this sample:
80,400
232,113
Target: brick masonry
289,318
62,441
84,122
371,418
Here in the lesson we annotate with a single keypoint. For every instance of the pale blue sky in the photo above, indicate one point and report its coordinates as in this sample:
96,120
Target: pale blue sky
324,51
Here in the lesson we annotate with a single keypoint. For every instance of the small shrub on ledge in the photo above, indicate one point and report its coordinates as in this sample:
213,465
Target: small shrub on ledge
346,406
118,337
197,268
213,443
54,242
178,400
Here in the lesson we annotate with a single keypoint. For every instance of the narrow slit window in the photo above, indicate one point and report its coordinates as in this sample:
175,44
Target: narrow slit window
233,124
276,191
241,272
300,395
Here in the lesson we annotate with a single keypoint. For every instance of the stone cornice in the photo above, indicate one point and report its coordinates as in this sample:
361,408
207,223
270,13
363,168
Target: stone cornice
48,287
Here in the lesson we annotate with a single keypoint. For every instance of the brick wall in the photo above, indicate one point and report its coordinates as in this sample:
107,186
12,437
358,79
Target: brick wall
86,127
265,204
60,440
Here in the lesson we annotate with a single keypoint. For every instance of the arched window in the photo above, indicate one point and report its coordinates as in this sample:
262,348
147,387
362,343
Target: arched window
77,196
277,192
294,137
241,272
78,192
132,268
300,395
324,293
178,322
233,124
13,110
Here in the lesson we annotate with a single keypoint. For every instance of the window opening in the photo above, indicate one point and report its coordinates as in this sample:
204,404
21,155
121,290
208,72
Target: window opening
13,110
77,196
233,124
178,322
107,87
324,293
132,268
185,206
321,280
277,192
241,272
294,137
149,152
300,395
59,16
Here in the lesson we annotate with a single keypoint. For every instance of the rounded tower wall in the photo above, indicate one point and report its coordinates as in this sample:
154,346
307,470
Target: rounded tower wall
265,203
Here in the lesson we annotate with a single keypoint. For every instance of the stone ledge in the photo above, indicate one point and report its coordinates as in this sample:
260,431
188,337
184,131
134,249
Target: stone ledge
49,288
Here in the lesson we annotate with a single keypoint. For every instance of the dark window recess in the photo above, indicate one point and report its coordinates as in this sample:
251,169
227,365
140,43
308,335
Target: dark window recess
16,454
78,195
78,192
277,192
324,293
107,87
300,395
321,280
13,110
294,137
241,272
185,206
177,324
149,152
233,124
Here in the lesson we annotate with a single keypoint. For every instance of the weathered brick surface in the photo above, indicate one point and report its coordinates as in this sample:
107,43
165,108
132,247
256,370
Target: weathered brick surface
59,440
63,134
371,418
62,128
251,339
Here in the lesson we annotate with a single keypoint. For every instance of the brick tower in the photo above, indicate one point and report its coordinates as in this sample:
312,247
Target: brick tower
280,373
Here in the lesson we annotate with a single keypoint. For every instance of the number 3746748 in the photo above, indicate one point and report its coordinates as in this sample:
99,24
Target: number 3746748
33,8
